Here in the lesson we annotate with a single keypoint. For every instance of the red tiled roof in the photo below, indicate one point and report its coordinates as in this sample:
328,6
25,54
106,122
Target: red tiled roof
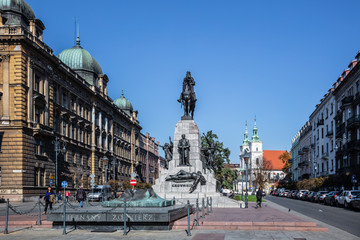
272,156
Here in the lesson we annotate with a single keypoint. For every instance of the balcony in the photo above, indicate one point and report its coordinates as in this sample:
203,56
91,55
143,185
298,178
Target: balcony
347,100
353,145
353,121
305,149
340,130
320,122
329,134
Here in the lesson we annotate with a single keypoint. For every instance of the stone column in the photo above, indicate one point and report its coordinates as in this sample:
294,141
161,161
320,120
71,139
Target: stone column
106,134
100,127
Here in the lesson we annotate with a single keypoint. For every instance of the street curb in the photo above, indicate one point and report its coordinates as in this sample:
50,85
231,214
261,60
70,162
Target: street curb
332,230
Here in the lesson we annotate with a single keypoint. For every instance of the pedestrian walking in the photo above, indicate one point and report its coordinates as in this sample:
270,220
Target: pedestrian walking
259,195
49,198
80,196
59,196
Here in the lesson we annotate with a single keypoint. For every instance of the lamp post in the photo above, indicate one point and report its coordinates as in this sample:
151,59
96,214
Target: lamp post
242,185
246,159
106,162
57,146
114,167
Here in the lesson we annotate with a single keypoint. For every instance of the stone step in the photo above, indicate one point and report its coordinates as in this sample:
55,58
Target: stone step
27,224
203,222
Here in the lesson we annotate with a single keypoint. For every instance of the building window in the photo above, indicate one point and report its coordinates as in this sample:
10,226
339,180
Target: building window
37,83
73,132
64,100
37,114
55,95
257,161
36,176
73,158
0,176
331,110
322,132
73,105
42,148
64,128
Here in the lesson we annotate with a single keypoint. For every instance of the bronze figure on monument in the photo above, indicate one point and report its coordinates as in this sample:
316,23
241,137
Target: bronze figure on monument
188,97
184,151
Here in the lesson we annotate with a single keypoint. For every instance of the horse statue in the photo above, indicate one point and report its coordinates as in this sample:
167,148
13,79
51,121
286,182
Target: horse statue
187,96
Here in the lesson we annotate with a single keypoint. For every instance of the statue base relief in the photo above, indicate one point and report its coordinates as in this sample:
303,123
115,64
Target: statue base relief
181,189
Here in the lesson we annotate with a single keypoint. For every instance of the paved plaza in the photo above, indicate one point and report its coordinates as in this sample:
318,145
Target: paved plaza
270,213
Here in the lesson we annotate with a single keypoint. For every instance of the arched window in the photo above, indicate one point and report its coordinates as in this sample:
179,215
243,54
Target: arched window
257,161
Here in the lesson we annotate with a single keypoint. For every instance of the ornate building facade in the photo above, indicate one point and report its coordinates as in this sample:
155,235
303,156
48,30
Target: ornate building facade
57,120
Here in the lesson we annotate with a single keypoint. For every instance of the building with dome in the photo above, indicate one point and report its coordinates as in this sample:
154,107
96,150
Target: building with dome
57,121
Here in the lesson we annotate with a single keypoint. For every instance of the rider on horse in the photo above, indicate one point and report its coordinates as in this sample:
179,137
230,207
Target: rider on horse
187,95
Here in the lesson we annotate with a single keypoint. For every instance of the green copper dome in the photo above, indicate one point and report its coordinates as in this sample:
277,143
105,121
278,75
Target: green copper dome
124,104
80,60
18,6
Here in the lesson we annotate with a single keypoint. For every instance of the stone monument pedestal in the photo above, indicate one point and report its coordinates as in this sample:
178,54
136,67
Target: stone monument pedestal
180,190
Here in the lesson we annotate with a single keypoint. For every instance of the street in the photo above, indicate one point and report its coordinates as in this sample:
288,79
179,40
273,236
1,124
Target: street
345,219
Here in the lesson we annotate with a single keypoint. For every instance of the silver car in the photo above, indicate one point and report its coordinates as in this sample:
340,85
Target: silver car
99,192
346,197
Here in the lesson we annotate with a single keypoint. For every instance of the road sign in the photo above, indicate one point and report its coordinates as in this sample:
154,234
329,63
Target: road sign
92,181
133,175
51,182
67,194
92,175
64,184
353,177
133,182
51,176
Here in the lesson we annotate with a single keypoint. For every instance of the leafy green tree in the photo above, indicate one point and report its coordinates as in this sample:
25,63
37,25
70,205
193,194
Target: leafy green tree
221,155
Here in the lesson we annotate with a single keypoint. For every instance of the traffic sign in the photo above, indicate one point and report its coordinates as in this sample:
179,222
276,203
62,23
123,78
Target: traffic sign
92,181
133,175
133,182
92,175
51,176
353,177
64,184
51,182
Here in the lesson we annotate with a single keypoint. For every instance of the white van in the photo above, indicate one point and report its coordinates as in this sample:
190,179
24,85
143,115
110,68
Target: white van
99,192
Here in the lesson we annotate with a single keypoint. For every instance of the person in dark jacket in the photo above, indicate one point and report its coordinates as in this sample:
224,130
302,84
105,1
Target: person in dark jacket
259,195
80,196
49,196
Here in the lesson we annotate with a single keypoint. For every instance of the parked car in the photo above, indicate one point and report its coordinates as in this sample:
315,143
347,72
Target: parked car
311,196
293,195
99,192
320,195
346,197
305,195
286,193
330,198
290,193
300,194
356,203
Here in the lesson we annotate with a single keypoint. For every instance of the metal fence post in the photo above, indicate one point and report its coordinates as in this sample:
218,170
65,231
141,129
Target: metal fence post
39,213
125,233
203,210
7,217
188,208
207,205
210,204
197,212
64,221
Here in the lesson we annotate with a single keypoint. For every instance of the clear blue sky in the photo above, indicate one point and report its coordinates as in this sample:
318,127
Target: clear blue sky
272,59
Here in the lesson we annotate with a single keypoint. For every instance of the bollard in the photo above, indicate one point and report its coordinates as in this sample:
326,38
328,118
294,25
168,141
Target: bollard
7,217
188,207
210,204
207,205
64,221
203,210
197,212
39,213
125,233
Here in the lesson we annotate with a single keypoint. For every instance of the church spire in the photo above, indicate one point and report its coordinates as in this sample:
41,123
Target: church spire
246,136
255,137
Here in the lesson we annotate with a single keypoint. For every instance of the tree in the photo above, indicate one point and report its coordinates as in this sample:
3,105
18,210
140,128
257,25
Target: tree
261,172
228,176
285,157
78,176
221,155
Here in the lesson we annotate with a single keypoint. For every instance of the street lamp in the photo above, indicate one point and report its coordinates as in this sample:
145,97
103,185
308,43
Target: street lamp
106,162
242,185
57,145
246,159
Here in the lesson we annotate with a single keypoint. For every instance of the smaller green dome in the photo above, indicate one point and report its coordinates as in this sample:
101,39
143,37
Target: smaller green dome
124,104
18,6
